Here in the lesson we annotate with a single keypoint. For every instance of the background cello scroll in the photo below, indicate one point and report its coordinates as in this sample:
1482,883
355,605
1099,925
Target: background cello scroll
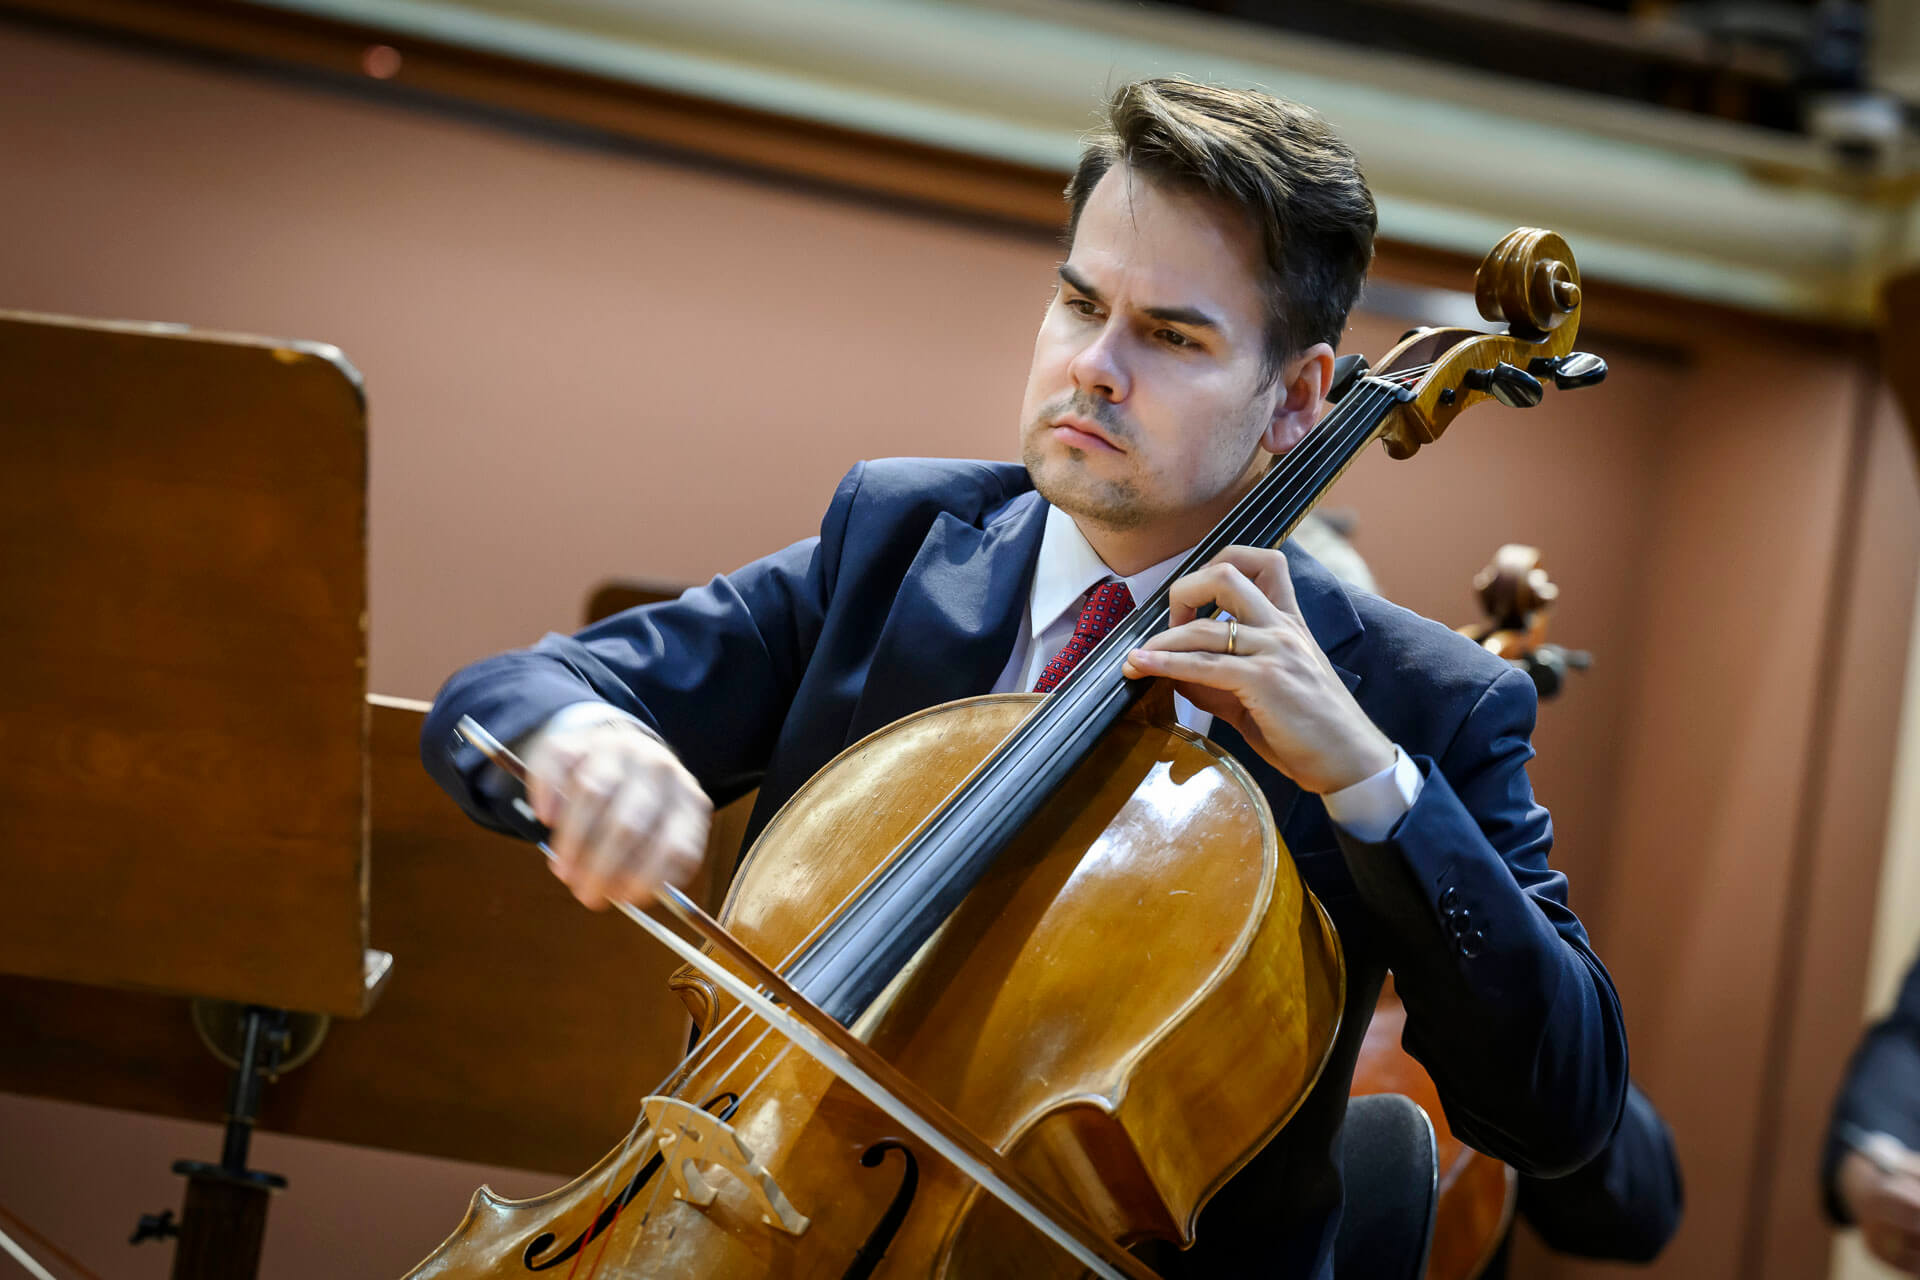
1516,594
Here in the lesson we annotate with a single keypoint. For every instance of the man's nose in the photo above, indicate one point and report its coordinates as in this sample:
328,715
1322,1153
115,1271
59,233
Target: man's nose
1100,367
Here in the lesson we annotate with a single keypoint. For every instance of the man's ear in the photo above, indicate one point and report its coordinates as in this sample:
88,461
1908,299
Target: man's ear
1303,397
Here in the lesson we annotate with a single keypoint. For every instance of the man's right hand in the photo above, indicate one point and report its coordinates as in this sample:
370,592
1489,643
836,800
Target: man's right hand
625,815
1883,1194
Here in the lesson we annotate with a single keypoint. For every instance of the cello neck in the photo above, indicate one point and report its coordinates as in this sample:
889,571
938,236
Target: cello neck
855,957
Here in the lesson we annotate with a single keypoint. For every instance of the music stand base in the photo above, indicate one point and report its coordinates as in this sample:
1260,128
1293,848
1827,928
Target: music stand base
223,1222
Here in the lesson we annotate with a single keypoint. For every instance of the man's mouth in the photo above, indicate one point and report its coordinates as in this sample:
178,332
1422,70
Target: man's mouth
1078,433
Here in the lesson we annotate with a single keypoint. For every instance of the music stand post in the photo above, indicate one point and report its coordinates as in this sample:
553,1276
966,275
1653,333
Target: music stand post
224,1220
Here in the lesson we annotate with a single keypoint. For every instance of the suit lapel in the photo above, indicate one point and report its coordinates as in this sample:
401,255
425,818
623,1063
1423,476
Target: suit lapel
1326,607
956,616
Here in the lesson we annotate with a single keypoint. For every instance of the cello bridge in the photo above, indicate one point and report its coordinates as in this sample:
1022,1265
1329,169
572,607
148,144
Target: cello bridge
689,1137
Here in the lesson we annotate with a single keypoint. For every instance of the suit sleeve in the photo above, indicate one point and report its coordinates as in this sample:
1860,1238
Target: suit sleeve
1507,1006
713,672
1624,1205
1881,1090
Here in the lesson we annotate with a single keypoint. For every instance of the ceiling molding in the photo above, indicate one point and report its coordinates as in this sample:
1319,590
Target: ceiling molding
1654,199
978,105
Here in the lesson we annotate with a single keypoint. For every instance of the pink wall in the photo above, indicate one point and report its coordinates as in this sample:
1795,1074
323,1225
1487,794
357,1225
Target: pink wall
642,369
622,366
83,1176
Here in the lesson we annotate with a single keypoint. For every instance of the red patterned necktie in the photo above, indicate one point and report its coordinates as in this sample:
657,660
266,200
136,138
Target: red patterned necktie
1110,602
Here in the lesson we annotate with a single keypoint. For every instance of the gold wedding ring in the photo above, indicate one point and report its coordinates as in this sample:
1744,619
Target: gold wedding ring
1233,633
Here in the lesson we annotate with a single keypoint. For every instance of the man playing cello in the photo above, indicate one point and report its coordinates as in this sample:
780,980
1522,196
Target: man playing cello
1219,238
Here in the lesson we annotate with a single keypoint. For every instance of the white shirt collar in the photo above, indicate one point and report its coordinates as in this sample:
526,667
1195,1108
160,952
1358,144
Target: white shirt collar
1069,567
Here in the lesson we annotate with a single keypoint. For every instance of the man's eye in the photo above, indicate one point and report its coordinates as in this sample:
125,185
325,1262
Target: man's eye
1083,306
1174,338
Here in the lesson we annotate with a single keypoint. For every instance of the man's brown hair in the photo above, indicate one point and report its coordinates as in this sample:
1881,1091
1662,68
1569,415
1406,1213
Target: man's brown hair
1278,163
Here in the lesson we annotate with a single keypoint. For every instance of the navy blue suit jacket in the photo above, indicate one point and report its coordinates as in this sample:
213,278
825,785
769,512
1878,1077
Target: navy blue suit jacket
911,595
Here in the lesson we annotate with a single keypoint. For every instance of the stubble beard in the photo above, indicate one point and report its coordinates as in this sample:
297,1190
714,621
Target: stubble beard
1067,484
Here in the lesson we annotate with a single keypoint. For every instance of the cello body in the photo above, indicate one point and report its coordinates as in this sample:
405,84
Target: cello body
1133,1001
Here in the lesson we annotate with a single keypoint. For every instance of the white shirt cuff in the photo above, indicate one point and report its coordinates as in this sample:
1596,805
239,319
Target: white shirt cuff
1369,808
581,714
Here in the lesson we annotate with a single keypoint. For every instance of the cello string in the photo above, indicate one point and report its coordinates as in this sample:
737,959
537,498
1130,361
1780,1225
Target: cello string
1046,734
1332,439
1335,445
633,1237
625,1267
691,1066
1321,464
1328,438
1338,441
1103,694
686,1069
1331,450
1338,444
694,1063
677,1080
600,1204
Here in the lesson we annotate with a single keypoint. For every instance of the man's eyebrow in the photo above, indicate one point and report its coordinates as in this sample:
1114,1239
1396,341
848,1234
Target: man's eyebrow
1191,317
1079,283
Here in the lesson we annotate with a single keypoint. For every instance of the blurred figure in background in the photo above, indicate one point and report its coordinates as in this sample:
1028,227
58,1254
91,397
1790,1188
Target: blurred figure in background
1871,1174
1327,537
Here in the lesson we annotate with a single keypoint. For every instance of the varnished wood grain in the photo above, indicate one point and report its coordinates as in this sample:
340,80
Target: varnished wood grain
518,1028
1142,953
183,547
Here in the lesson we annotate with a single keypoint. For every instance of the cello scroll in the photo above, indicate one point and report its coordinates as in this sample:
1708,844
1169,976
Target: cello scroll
1529,281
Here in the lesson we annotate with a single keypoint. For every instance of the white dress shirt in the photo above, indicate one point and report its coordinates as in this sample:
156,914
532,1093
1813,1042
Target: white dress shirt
1067,571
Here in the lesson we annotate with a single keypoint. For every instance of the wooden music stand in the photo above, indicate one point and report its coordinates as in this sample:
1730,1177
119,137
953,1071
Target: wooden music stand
183,739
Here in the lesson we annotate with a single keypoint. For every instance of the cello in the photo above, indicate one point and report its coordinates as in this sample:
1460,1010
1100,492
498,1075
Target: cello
991,1061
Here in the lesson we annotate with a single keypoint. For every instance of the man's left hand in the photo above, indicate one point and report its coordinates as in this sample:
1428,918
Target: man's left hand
1276,688
1881,1188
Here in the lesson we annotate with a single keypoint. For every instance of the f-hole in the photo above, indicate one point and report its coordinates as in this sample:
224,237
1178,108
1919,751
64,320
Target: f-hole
889,1225
727,1104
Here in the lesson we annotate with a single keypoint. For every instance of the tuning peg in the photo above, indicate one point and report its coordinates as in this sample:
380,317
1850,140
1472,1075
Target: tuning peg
1511,385
1347,370
1572,371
